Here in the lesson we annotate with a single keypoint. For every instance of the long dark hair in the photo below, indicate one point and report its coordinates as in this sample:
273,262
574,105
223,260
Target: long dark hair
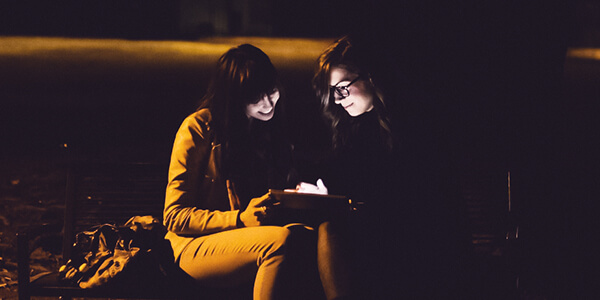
243,75
351,54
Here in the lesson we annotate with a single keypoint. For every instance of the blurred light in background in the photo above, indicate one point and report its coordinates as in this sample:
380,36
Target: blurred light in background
584,53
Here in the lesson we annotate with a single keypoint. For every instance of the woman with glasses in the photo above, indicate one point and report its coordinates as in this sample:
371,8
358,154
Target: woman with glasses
404,238
225,157
360,165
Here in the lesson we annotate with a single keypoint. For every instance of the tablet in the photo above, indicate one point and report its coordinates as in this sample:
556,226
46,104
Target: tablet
295,200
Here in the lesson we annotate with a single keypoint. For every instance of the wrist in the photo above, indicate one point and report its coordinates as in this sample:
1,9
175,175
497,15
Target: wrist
238,222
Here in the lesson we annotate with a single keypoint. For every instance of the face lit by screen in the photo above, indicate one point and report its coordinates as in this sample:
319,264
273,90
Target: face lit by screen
351,91
264,109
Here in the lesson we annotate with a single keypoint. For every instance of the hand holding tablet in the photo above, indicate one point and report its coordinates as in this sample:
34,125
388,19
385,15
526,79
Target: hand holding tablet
302,200
308,188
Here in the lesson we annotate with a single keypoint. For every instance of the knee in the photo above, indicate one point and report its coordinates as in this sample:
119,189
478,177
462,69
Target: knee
331,234
325,227
280,236
277,239
329,229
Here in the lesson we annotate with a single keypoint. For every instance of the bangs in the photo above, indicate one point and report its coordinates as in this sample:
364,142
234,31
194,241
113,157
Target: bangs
243,75
257,83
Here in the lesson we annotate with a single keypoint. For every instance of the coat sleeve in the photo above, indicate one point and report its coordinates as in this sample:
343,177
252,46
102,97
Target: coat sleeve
185,211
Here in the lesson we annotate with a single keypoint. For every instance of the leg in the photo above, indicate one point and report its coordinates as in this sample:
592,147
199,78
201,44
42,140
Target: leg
232,257
334,265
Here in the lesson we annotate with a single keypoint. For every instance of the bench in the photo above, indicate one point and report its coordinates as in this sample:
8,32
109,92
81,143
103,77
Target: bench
100,192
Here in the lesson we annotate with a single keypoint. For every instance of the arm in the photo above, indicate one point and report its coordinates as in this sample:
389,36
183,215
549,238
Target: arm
187,210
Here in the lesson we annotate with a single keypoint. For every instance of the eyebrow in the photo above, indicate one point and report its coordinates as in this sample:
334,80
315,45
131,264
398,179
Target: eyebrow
343,79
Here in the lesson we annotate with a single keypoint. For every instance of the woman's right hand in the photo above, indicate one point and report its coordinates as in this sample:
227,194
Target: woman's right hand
307,188
257,211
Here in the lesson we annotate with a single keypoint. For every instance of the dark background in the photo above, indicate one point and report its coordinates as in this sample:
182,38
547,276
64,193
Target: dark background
492,79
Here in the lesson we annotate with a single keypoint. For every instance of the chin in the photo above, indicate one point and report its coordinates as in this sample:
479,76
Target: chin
265,118
354,114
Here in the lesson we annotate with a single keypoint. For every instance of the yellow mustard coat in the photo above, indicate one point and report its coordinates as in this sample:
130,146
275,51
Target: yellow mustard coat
198,200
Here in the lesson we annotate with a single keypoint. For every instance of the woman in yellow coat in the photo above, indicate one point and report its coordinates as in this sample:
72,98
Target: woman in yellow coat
225,157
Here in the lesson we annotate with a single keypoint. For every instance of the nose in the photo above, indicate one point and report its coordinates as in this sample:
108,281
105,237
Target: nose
337,100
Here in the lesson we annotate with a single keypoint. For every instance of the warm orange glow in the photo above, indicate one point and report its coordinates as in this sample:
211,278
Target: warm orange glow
584,53
132,53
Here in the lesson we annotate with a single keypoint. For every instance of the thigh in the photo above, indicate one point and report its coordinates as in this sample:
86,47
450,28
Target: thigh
231,256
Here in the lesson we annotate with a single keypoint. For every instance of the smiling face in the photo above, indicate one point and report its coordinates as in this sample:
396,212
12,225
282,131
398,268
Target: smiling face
264,109
361,95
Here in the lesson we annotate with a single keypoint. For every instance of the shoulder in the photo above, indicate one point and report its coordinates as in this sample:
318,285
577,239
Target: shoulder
199,122
203,115
195,129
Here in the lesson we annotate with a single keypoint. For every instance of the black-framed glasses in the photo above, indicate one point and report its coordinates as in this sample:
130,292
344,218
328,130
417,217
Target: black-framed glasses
341,92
